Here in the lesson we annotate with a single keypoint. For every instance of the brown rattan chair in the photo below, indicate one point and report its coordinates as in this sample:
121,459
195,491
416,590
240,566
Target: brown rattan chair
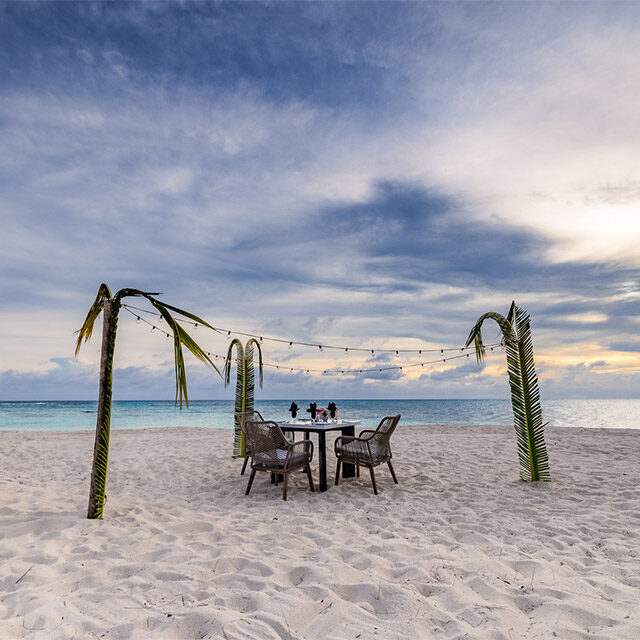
369,449
254,415
243,416
272,452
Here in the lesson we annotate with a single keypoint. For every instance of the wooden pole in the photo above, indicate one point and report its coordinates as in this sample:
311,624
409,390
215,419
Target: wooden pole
97,494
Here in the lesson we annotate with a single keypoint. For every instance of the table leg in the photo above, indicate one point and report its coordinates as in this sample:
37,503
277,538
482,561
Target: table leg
348,470
322,458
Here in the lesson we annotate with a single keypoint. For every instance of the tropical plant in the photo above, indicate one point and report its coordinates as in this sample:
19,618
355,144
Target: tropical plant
525,396
245,385
109,306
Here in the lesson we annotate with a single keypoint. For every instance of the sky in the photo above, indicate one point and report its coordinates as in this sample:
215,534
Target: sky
359,174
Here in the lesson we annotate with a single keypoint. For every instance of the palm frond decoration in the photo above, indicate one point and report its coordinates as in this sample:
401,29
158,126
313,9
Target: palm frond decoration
109,306
245,385
523,382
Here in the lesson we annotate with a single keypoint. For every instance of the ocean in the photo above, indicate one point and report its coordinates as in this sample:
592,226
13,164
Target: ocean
76,416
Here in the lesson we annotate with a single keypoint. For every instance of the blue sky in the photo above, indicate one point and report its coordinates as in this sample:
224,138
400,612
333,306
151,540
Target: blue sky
361,174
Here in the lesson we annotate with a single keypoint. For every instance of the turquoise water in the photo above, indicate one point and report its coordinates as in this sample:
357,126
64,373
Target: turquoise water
74,416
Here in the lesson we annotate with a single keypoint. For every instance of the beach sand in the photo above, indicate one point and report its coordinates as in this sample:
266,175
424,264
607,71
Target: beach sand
461,548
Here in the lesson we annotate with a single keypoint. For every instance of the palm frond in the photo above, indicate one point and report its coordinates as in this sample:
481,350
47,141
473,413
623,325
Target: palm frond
238,435
250,343
523,383
227,363
475,335
85,331
532,451
180,337
245,384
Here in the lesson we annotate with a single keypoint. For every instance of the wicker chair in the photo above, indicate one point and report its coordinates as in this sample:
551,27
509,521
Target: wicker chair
369,449
256,417
272,452
244,416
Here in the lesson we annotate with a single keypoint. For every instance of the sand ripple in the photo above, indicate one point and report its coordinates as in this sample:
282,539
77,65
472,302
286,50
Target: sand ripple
460,549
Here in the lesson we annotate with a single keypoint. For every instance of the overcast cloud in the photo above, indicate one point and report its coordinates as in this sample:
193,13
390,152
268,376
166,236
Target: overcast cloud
361,174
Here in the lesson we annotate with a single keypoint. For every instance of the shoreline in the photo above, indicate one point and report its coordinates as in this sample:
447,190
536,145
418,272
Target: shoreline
460,546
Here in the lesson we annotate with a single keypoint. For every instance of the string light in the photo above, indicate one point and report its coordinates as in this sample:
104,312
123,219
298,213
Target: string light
308,344
340,371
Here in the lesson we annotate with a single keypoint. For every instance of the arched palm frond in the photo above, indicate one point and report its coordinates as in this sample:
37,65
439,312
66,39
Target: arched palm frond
85,331
523,382
245,384
240,397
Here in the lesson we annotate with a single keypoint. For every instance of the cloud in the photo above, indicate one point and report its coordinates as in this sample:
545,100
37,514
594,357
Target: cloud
378,177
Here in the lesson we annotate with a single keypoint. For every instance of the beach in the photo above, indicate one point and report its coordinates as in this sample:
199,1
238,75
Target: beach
460,548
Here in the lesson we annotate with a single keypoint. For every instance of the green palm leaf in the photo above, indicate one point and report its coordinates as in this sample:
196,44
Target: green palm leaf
181,337
523,382
96,309
245,385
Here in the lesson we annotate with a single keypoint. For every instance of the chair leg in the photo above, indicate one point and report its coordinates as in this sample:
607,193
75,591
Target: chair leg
310,478
338,465
284,486
373,481
357,471
251,477
393,473
244,465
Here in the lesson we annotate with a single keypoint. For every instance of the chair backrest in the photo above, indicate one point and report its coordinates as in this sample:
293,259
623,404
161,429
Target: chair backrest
243,416
264,435
383,432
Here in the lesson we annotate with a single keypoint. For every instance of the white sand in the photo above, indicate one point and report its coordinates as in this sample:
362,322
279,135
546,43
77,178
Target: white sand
460,549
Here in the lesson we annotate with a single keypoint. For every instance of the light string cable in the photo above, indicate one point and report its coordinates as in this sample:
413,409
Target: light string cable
229,332
337,371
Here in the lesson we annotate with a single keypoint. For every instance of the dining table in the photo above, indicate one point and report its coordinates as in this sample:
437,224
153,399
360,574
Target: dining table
346,427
